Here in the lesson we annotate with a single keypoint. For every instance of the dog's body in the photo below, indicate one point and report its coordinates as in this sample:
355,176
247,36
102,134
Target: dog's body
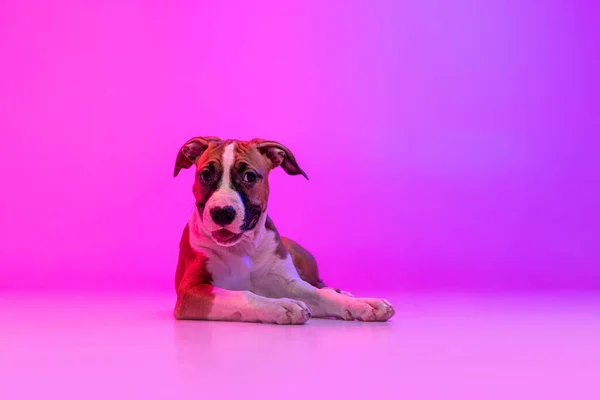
233,265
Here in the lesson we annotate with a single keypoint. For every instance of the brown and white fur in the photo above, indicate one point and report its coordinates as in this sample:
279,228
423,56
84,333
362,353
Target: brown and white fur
233,265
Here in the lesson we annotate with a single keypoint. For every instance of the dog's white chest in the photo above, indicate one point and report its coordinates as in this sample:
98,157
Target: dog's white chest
232,272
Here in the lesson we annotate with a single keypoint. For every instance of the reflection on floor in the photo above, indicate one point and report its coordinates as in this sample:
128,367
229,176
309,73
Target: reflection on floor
118,346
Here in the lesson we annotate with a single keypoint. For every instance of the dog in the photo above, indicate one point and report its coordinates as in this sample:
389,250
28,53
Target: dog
233,265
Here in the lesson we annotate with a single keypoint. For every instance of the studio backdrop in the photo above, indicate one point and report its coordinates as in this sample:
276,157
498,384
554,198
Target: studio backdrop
449,145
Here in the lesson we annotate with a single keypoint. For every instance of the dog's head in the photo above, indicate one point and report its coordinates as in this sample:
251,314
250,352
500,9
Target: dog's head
231,185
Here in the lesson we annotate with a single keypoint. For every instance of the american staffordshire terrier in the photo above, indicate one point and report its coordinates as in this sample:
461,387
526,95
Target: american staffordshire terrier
233,265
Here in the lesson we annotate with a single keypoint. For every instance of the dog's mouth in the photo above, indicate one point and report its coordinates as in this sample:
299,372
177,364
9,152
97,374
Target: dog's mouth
225,237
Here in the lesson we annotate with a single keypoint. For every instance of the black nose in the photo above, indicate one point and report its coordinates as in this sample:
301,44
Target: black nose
222,215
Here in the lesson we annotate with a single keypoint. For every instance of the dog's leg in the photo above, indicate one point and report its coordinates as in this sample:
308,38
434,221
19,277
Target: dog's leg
282,281
326,302
306,264
203,301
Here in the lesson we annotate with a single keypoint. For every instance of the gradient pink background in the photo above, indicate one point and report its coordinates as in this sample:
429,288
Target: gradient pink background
450,145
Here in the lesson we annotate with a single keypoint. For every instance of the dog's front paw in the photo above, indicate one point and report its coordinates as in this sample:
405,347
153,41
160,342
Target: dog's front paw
284,312
369,310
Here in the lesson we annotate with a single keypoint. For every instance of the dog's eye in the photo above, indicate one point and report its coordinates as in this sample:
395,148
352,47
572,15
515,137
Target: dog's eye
250,177
205,176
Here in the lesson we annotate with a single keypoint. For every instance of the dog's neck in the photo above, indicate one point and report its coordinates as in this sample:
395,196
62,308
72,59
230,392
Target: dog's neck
201,239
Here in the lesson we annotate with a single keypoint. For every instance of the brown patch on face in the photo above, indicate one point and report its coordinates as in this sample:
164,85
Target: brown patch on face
247,158
192,282
280,250
305,263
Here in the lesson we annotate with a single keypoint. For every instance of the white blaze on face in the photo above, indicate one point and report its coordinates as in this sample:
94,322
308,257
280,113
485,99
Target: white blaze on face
225,195
227,161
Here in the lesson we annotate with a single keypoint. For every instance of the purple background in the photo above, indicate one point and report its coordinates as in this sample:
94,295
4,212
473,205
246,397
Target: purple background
450,145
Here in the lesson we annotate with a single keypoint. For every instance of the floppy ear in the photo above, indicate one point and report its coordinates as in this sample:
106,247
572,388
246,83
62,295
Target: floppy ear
279,155
191,151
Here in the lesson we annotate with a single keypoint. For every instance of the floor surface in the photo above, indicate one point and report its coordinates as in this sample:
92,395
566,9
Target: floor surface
115,346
